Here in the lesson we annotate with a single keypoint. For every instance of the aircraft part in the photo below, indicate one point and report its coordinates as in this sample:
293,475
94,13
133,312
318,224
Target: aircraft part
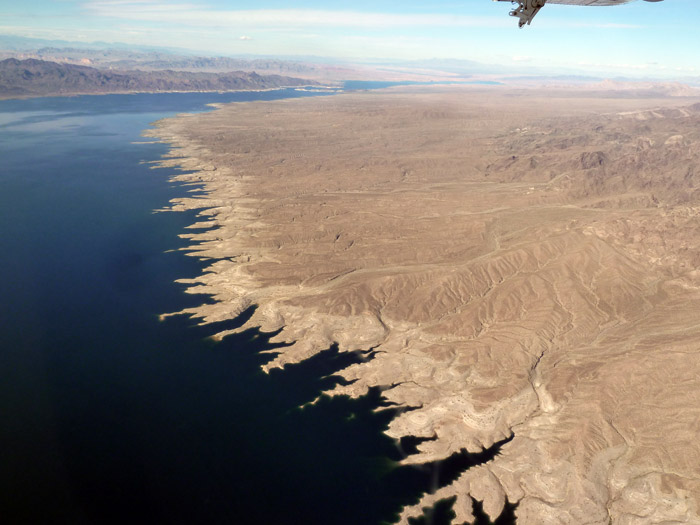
526,10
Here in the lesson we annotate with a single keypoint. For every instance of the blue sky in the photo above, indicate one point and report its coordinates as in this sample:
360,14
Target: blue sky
637,39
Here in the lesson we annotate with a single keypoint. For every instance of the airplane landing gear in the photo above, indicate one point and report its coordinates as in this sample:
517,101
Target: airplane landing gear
526,10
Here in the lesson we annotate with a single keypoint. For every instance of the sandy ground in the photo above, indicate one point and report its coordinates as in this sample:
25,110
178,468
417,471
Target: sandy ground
523,262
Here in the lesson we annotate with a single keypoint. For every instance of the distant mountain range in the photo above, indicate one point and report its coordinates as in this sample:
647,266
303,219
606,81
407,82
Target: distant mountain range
22,43
160,61
34,77
151,68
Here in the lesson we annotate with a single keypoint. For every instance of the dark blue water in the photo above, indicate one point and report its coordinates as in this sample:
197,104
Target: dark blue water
108,415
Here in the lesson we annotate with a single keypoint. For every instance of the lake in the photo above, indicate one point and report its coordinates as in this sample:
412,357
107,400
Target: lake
112,416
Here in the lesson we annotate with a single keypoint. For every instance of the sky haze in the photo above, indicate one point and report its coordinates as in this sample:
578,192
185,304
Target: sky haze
636,39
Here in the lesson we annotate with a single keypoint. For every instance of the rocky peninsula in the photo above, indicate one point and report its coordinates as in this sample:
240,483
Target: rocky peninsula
521,263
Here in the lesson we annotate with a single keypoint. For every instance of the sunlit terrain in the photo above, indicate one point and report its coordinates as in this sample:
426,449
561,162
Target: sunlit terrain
525,270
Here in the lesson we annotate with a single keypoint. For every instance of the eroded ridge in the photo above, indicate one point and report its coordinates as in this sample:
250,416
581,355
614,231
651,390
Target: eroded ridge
519,269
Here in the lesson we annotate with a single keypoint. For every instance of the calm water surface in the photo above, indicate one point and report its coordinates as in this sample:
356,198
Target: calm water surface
110,416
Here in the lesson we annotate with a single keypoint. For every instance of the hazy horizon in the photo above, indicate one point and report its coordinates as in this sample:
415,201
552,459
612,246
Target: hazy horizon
640,39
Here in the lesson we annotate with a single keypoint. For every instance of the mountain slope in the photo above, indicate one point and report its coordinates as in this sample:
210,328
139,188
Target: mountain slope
38,77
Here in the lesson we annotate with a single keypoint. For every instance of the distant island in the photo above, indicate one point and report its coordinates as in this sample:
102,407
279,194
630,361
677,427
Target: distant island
32,77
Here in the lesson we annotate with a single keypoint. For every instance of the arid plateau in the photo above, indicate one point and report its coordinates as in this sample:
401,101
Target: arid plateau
522,263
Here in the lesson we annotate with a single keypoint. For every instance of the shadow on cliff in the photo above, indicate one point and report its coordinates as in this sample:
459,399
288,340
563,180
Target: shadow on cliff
323,462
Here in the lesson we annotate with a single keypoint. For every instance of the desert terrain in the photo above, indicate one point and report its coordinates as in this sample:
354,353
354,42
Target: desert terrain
522,263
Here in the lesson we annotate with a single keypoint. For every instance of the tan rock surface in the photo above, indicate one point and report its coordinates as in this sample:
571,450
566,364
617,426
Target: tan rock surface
522,265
